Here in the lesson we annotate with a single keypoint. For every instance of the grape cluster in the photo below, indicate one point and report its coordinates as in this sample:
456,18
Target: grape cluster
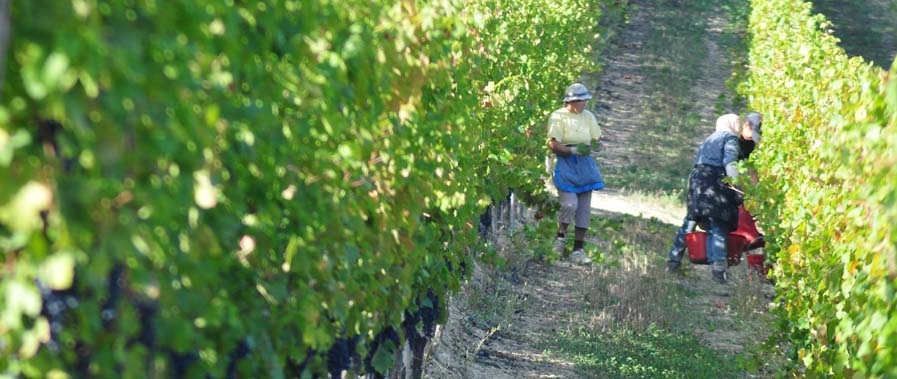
426,316
181,362
58,304
239,352
431,314
297,368
146,311
55,303
115,282
388,334
341,355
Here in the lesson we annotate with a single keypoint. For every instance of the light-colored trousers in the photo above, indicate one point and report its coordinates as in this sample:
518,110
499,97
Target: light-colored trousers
575,207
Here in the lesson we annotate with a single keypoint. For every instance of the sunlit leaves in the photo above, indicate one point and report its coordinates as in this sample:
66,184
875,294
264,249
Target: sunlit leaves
57,271
295,169
829,152
9,143
22,213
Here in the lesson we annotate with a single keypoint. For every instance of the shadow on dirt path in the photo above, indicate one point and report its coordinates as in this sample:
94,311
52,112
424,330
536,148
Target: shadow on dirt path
866,28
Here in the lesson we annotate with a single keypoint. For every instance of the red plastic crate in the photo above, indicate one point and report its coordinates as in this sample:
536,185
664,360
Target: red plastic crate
747,229
696,243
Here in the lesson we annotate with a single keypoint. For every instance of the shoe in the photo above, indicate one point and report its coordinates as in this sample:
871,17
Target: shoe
558,246
579,257
720,276
674,267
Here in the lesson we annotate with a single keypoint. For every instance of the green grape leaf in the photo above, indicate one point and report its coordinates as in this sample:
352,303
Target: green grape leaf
58,270
9,144
383,357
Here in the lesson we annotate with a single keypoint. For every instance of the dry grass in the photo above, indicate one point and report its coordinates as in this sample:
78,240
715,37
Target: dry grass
632,291
526,311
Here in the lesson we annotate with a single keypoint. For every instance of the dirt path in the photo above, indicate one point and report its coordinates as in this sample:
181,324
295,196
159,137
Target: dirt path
468,352
627,99
542,300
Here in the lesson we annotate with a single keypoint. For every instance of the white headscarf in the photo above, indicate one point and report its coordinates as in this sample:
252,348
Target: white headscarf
729,123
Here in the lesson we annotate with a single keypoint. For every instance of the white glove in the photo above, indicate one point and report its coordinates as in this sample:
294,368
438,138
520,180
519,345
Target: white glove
731,170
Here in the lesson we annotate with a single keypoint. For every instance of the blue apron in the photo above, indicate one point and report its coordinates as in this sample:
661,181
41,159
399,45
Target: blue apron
577,174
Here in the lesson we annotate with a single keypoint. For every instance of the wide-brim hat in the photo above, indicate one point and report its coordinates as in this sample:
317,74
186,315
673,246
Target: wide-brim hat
576,92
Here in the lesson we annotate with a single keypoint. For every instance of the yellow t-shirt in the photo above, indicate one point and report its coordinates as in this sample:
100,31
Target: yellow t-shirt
572,129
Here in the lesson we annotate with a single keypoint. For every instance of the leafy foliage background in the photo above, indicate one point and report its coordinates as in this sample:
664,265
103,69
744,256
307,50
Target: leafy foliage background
826,191
190,182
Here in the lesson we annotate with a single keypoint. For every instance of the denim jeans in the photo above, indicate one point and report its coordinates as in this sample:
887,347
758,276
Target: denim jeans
716,243
678,249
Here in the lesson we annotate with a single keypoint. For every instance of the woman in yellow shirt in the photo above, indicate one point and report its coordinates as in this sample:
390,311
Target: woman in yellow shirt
572,131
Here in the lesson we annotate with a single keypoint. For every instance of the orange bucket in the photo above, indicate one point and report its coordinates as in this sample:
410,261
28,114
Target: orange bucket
696,243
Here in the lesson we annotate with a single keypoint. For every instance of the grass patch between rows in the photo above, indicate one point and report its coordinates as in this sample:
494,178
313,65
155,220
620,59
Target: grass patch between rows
654,353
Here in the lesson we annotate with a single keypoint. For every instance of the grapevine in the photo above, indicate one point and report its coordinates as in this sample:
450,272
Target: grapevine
219,189
824,195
